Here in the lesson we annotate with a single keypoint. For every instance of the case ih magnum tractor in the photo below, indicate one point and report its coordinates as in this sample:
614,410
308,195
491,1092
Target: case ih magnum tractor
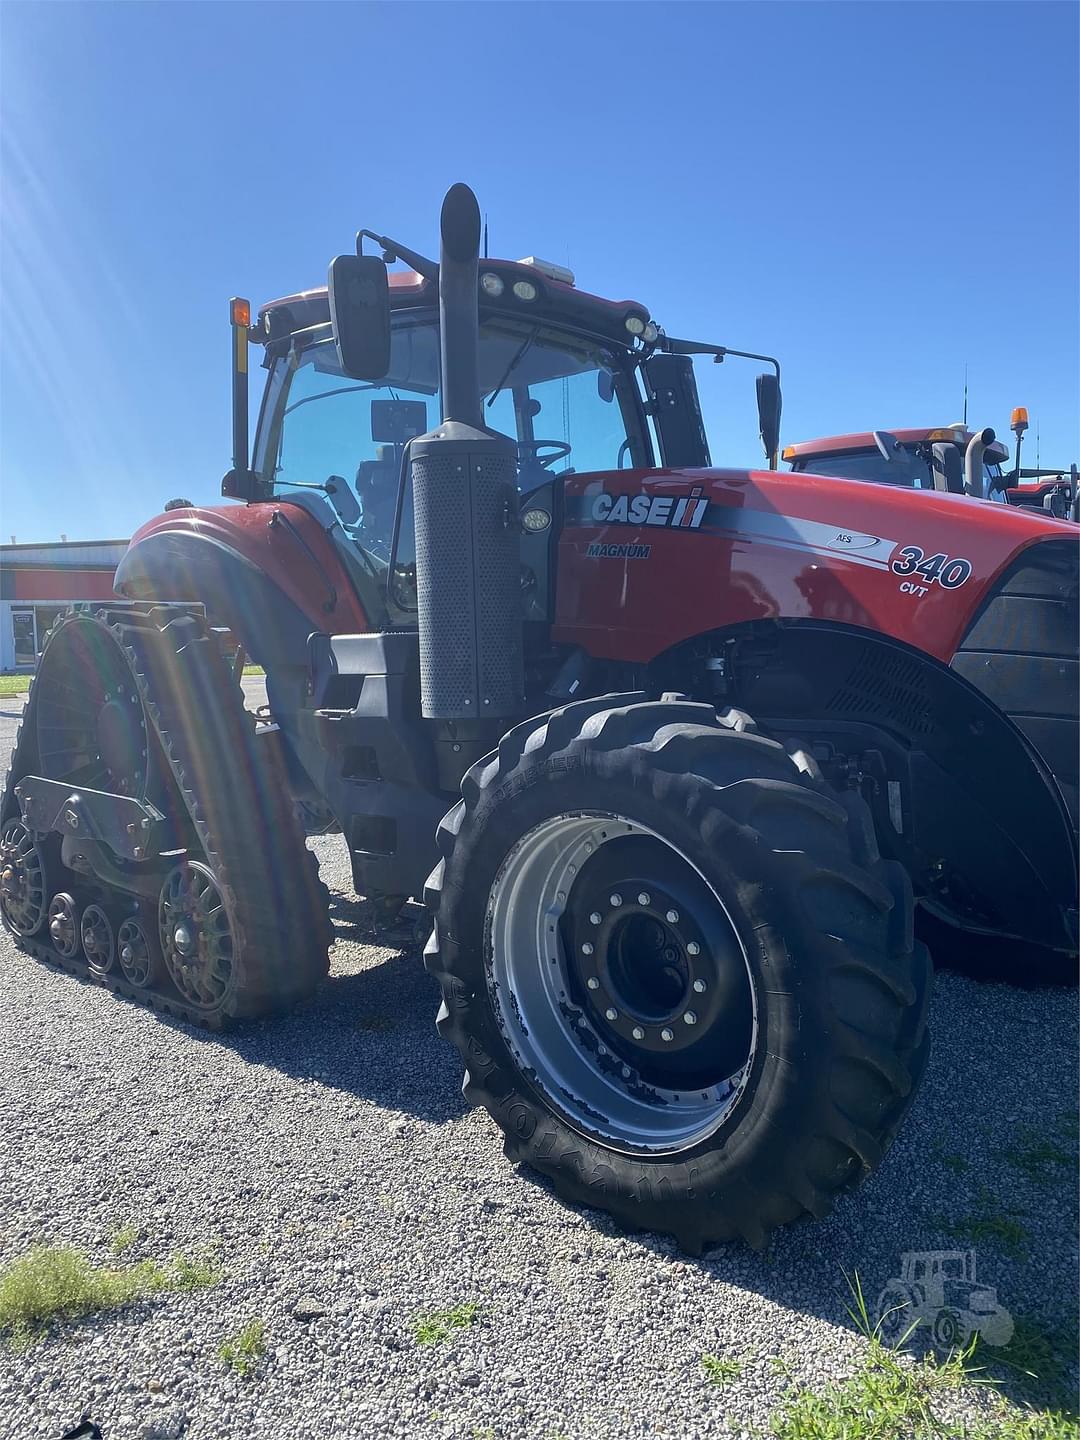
950,458
500,593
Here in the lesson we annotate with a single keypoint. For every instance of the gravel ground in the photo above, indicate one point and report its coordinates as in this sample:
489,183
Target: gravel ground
330,1162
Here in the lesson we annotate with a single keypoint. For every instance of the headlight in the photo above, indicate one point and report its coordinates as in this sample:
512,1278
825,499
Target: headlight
635,324
492,284
524,290
535,520
651,333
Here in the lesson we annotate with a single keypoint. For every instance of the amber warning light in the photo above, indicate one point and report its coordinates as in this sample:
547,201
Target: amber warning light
1019,422
240,312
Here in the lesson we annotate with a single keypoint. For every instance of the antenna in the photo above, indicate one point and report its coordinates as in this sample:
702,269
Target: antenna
485,238
1038,448
965,392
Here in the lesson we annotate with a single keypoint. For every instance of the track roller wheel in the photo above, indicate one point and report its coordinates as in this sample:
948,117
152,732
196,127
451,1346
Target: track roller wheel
98,940
197,938
64,925
138,953
22,880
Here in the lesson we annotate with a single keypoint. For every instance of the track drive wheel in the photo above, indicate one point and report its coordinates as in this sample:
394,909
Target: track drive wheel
23,884
683,982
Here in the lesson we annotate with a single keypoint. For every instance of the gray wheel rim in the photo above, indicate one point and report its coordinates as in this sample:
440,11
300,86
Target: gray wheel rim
550,1037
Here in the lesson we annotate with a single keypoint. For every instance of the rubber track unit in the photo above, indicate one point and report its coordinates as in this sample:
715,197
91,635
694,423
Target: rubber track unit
237,798
843,989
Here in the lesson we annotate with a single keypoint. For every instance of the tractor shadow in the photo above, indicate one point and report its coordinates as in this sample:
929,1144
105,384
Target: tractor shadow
369,1031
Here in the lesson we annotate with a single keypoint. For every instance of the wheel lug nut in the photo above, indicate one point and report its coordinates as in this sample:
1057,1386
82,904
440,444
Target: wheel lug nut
587,948
693,948
673,917
700,986
690,1017
560,895
667,1034
644,898
638,1033
595,918
593,983
616,899
626,1072
611,1013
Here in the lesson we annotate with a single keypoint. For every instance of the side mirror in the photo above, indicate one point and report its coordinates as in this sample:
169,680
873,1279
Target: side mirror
360,314
948,467
769,406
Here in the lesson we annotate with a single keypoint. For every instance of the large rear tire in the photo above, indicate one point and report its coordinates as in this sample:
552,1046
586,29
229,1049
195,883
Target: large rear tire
682,980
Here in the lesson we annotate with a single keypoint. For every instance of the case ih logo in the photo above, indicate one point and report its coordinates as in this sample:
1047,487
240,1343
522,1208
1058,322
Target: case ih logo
675,512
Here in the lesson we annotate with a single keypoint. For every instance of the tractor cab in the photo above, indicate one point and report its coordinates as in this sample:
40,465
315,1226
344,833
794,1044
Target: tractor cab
951,458
926,459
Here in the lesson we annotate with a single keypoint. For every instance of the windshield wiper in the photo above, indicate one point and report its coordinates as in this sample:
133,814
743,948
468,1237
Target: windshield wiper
511,368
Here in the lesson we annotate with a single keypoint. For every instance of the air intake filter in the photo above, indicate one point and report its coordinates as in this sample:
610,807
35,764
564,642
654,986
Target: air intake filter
468,573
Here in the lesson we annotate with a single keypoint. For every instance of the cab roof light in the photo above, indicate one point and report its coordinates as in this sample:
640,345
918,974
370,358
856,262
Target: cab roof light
788,452
1019,422
553,272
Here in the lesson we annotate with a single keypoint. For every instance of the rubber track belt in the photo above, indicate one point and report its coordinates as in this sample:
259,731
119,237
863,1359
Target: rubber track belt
237,799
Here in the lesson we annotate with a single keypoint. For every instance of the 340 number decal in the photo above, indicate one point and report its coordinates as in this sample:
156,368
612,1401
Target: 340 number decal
933,568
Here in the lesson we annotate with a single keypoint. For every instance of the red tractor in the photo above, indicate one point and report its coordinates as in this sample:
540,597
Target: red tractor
951,459
514,626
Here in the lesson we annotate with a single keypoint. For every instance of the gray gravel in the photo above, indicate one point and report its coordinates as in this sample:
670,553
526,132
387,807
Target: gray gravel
330,1162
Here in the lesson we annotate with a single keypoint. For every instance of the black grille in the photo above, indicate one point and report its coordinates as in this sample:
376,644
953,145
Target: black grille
890,688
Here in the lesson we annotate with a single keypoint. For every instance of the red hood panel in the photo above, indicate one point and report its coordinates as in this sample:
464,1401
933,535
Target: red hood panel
650,558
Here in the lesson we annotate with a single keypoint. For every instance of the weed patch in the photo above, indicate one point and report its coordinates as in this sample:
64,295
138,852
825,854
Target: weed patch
720,1370
243,1351
58,1282
437,1327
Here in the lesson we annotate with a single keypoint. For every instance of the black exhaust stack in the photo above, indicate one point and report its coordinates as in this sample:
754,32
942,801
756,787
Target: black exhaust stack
465,504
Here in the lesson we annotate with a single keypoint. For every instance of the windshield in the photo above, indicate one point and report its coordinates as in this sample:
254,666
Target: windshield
570,404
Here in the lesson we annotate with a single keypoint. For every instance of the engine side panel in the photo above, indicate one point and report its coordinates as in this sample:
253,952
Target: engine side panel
649,559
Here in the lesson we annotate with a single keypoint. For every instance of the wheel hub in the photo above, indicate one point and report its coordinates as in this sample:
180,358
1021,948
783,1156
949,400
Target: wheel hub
619,982
658,966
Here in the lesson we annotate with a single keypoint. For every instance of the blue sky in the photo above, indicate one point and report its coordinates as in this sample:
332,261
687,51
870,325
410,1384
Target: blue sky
878,193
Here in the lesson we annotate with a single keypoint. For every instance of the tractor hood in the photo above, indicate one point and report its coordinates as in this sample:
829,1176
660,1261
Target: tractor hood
656,557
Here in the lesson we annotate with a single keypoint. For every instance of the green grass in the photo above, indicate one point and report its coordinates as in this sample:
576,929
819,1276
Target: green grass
719,1370
891,1396
59,1282
990,1224
124,1237
437,1327
254,670
243,1351
14,684
1040,1156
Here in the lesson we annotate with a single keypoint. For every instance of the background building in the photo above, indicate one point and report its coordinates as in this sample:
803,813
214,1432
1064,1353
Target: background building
37,582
